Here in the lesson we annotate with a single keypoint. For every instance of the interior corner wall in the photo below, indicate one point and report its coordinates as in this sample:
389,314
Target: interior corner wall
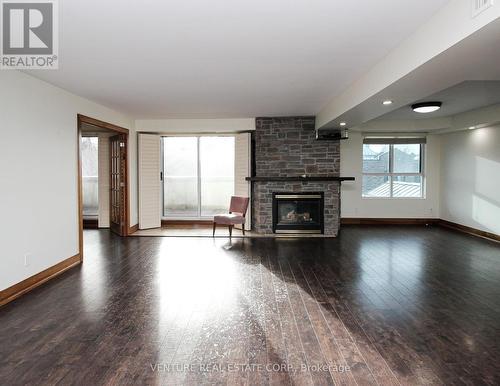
353,205
38,173
470,174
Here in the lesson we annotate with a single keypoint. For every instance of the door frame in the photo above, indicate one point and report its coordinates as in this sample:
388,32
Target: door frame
81,119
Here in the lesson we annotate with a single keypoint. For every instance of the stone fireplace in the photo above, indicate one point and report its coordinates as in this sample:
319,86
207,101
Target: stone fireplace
289,161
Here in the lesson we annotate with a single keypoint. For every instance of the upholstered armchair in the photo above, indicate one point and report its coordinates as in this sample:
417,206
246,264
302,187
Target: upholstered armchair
237,211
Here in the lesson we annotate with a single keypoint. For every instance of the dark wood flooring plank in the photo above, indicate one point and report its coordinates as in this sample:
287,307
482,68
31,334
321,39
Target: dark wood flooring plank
339,348
371,356
277,356
295,351
409,305
315,361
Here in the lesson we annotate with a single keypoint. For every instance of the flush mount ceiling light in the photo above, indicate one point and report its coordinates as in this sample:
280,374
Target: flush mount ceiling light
426,107
387,102
343,124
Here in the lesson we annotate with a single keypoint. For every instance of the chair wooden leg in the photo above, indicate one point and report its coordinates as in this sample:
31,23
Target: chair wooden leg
213,233
243,229
230,231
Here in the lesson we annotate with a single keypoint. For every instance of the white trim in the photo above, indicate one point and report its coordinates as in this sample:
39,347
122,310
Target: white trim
149,181
242,169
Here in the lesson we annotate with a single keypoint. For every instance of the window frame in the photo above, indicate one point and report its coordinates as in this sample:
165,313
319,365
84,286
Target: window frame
391,174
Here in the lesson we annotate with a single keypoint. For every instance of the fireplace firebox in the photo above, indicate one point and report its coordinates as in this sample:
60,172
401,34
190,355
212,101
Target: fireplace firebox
298,212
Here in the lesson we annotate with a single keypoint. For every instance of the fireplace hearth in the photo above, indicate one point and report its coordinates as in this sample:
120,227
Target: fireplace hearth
298,212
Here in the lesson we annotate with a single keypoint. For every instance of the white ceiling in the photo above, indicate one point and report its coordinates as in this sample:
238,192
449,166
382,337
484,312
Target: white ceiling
463,76
198,58
466,96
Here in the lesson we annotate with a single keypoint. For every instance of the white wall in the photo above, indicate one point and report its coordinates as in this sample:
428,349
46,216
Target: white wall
38,173
353,205
195,125
470,172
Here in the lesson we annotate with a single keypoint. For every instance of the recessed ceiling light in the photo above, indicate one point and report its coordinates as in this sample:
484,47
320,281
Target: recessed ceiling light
426,107
387,103
472,127
343,124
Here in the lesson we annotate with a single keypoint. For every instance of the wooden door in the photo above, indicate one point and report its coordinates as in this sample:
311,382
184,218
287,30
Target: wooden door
118,167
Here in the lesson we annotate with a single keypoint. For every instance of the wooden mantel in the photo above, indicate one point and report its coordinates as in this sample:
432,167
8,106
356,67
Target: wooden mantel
299,178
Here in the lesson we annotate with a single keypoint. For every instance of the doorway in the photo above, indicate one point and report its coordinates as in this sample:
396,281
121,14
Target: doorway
103,199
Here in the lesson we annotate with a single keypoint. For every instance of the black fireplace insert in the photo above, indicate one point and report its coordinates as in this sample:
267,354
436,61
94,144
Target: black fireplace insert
298,212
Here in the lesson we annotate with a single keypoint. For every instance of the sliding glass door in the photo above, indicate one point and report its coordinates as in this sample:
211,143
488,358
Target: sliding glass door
180,176
198,176
216,174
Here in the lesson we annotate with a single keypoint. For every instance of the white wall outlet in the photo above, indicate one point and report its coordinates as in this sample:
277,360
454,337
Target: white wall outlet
27,258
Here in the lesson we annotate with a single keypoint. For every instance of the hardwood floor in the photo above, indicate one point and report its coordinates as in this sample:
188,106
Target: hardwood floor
379,305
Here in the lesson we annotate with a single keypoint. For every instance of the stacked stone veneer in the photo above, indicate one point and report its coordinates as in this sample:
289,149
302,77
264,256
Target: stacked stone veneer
287,147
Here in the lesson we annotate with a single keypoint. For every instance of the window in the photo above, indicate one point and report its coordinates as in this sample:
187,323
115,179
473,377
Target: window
392,168
90,176
198,175
180,176
216,174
